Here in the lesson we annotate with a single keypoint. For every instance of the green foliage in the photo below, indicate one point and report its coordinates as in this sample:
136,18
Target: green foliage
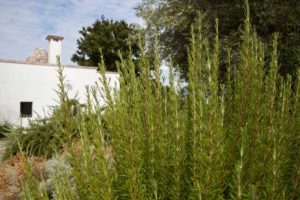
109,37
31,187
172,19
238,140
36,140
4,129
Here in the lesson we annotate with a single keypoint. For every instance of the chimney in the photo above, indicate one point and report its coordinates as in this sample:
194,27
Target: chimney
54,47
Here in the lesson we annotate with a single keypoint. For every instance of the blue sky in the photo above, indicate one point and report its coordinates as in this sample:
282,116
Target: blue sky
24,24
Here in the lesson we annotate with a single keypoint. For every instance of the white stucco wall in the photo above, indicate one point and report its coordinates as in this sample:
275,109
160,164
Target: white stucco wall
20,82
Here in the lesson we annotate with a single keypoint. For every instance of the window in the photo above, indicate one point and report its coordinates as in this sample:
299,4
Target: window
26,109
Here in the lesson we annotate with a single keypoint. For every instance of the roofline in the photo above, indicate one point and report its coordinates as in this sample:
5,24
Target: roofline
53,65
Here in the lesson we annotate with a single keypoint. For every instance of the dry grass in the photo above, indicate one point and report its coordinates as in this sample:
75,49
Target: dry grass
12,174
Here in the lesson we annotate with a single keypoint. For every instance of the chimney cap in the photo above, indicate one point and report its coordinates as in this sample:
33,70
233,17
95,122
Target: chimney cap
54,37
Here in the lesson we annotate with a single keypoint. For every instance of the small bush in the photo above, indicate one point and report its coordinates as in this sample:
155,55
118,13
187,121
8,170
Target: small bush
38,139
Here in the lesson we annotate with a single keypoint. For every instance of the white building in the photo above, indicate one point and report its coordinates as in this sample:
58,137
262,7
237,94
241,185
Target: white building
27,89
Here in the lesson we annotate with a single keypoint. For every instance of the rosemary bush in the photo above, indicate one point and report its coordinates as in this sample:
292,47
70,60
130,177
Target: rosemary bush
238,140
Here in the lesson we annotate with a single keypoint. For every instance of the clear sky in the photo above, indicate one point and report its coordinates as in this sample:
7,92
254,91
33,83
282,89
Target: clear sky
24,24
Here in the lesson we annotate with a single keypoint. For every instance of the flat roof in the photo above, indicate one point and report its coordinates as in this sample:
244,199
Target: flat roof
53,65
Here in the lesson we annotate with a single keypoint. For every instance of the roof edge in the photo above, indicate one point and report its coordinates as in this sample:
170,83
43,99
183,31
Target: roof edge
53,65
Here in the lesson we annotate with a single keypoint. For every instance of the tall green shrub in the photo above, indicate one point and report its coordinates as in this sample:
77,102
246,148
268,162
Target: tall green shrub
238,140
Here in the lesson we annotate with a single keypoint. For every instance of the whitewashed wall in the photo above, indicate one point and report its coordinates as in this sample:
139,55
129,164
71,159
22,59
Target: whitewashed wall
20,82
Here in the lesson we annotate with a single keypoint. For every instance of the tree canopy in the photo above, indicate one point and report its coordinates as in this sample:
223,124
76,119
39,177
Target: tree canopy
172,20
107,37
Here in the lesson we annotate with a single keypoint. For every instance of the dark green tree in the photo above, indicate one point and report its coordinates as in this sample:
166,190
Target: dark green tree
172,20
109,38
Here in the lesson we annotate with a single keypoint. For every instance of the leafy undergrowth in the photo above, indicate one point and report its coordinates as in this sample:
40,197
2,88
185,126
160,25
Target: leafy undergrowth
4,129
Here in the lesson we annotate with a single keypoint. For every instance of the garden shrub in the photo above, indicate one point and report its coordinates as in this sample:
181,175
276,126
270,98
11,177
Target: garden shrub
237,140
